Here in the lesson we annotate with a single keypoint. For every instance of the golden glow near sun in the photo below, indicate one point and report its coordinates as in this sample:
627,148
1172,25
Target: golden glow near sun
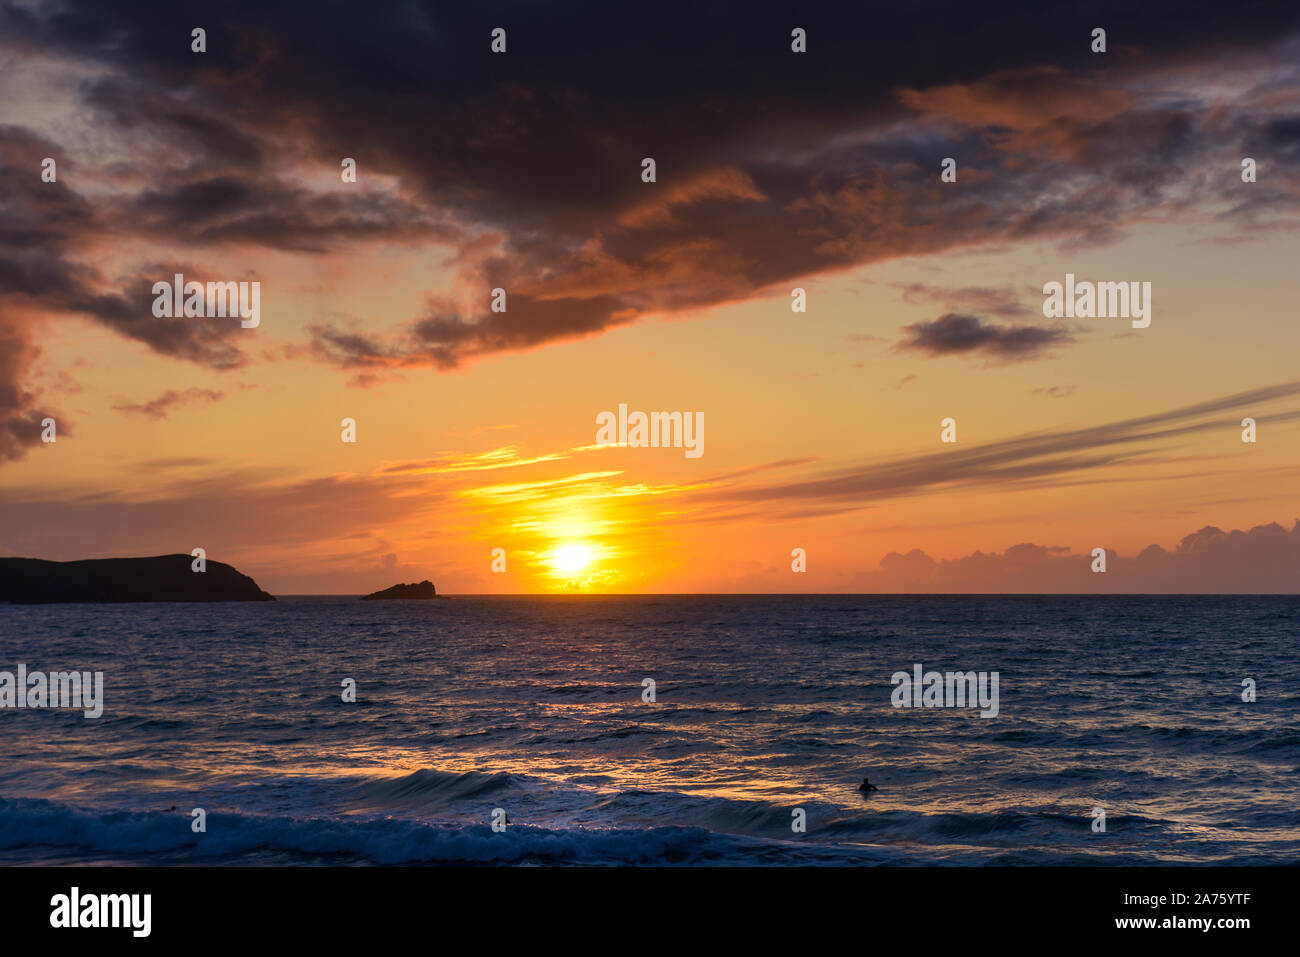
573,541
568,560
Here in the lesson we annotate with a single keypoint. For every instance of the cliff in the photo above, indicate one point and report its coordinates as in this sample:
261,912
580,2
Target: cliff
31,581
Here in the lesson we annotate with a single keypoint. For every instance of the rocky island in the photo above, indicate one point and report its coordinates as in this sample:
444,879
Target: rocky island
420,590
32,581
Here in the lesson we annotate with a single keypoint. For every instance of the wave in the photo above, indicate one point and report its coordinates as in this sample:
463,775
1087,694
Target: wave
703,831
428,785
160,837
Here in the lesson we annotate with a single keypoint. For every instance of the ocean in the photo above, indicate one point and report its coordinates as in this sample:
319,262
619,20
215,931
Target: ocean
767,712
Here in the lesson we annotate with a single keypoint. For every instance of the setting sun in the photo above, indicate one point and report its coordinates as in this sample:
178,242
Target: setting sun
571,559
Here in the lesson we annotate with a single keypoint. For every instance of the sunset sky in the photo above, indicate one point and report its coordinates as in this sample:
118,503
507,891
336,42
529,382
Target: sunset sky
775,170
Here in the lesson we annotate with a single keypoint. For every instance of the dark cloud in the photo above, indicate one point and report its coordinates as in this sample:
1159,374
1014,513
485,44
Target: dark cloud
446,340
44,230
1284,132
952,334
279,214
772,166
20,417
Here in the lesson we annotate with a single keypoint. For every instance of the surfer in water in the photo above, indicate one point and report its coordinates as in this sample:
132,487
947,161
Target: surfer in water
866,787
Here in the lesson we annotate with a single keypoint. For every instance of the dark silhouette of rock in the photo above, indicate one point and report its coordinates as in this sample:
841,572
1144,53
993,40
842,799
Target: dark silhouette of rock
424,589
32,581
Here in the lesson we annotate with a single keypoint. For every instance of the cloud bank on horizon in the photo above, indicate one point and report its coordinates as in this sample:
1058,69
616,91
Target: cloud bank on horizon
1262,560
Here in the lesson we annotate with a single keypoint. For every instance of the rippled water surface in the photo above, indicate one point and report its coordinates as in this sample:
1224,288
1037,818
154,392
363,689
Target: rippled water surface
764,705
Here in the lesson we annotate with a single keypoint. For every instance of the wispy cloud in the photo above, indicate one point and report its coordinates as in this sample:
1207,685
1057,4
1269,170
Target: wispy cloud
169,402
502,458
1029,458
